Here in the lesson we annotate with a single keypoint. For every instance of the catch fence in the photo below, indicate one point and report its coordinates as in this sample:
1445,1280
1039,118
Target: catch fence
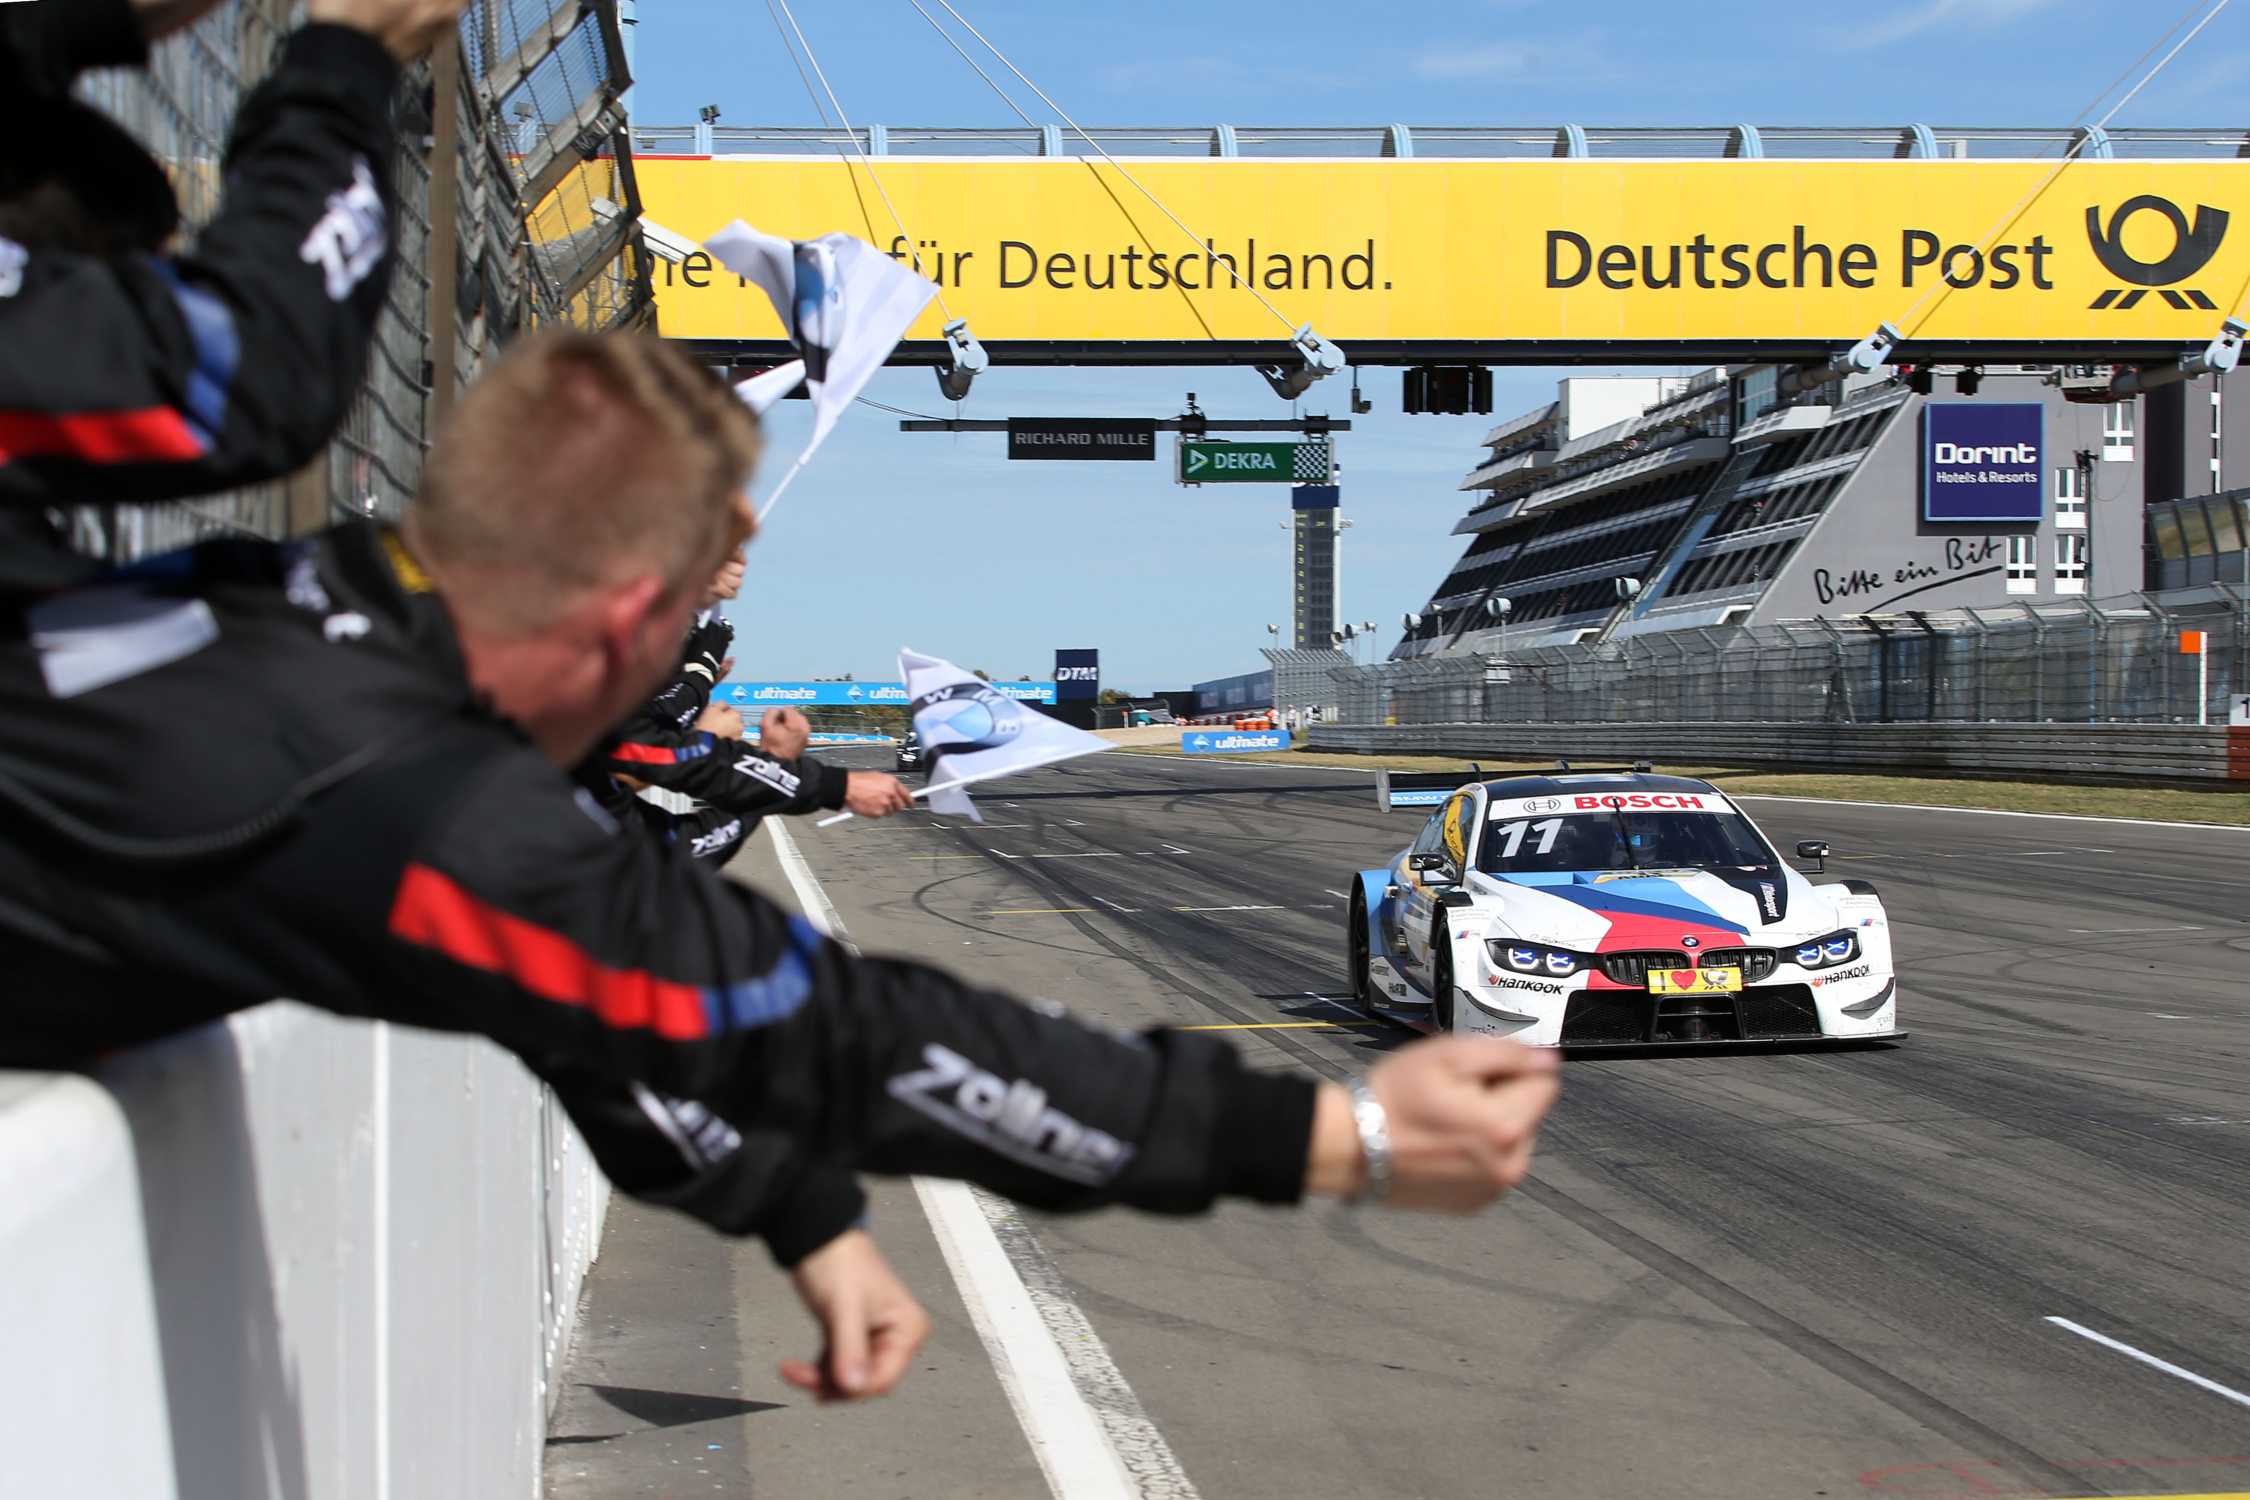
515,208
2071,661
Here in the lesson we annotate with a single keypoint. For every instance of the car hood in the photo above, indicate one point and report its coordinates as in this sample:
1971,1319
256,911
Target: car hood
1619,909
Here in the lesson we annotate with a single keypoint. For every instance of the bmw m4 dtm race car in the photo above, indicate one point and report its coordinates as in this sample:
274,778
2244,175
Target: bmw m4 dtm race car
1612,908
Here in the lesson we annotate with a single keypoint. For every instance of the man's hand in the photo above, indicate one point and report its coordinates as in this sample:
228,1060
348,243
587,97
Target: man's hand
726,669
160,18
1463,1113
409,28
875,794
719,719
784,732
871,1326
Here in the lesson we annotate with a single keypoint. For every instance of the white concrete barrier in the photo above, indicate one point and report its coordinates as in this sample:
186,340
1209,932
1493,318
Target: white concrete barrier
287,1256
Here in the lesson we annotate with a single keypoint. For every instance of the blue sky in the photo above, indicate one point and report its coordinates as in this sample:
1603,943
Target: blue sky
938,542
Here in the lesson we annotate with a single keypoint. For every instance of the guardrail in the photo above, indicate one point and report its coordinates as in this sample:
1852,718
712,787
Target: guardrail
2081,752
287,1255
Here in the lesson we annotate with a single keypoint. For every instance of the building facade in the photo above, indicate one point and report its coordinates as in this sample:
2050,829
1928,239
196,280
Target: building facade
1634,507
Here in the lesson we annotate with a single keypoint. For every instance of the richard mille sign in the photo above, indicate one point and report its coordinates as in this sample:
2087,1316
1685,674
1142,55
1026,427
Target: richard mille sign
1081,438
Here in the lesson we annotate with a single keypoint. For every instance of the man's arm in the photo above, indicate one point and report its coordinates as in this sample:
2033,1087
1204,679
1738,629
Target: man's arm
675,706
735,775
677,1154
140,379
478,896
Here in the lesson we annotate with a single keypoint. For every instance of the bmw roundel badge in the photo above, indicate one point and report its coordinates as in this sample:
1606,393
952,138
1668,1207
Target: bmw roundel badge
1691,942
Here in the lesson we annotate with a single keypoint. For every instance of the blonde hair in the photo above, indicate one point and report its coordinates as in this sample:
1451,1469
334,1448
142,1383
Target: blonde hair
579,461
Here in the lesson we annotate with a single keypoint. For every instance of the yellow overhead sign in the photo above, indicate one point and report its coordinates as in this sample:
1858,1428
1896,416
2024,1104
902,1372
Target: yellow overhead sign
1536,252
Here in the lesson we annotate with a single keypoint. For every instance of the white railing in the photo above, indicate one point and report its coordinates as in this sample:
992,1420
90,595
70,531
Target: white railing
286,1256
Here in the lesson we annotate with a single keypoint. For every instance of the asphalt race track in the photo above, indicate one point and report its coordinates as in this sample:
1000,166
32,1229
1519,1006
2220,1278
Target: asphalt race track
1737,1274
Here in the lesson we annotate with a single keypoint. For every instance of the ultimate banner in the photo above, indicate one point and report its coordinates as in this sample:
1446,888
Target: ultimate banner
1510,257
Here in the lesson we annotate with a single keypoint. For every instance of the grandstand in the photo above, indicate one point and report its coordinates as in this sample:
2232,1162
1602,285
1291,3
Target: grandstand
1727,504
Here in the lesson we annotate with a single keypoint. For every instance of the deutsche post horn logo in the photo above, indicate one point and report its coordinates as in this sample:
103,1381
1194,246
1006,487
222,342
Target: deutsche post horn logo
2192,250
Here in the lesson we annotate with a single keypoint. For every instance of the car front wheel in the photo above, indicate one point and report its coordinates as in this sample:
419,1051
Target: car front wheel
1363,984
1441,986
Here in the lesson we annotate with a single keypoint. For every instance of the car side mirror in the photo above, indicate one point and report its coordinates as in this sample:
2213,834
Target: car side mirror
1420,862
1816,851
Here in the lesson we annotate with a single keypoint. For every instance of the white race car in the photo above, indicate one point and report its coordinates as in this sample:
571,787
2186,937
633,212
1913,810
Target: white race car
1612,908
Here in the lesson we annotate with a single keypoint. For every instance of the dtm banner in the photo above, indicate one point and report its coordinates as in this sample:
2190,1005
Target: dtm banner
1728,252
1233,741
1078,676
765,695
1982,461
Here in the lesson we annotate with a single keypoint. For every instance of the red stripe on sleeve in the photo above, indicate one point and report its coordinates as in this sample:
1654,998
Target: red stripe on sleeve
626,750
432,911
156,434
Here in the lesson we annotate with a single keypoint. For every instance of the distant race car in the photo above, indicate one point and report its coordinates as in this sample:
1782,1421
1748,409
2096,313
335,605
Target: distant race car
1612,908
910,751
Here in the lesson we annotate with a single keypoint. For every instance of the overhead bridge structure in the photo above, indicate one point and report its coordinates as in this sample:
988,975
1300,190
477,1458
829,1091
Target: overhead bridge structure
1489,245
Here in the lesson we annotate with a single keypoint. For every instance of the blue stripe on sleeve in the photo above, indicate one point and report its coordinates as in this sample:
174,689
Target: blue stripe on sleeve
218,354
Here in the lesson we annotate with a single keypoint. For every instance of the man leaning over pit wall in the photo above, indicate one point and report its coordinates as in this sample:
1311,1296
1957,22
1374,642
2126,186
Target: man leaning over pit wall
380,821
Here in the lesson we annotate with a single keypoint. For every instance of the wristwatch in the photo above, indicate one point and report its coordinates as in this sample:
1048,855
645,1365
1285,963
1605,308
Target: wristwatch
1374,1143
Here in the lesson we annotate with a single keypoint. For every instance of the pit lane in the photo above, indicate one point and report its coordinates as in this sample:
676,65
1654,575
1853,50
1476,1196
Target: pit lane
1764,1274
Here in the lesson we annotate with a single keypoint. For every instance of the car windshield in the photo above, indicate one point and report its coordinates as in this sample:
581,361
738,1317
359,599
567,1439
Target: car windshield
1617,839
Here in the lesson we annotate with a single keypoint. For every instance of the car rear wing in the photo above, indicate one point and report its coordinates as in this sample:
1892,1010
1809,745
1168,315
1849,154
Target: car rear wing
1396,789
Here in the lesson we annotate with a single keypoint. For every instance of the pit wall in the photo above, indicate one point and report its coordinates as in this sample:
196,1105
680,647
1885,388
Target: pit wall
286,1256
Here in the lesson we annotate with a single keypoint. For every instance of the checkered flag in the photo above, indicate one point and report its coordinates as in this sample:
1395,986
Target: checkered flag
1313,462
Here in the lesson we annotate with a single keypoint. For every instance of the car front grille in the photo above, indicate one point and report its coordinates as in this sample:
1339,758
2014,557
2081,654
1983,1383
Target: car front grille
1632,967
1757,964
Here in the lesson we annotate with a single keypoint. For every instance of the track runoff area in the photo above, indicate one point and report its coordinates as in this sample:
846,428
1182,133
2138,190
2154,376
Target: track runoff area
2001,1258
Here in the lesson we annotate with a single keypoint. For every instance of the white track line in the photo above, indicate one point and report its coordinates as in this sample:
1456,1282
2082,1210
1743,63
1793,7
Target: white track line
1115,1455
1123,1454
1004,854
1982,812
2226,1392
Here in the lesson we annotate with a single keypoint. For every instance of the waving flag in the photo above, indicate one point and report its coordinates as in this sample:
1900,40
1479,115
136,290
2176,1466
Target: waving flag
763,390
846,306
971,731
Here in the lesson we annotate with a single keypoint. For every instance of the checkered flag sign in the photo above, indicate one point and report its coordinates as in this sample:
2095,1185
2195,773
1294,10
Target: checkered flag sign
1312,463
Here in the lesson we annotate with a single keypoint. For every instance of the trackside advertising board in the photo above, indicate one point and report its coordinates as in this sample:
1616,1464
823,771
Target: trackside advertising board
1078,675
1233,741
1730,252
1984,461
764,695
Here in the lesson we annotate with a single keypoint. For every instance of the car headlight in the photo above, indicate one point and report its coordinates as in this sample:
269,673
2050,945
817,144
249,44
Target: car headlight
1536,958
1826,952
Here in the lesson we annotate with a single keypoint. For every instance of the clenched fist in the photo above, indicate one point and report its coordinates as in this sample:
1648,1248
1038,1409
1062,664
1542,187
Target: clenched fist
719,719
1463,1113
871,1326
409,28
160,18
784,732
